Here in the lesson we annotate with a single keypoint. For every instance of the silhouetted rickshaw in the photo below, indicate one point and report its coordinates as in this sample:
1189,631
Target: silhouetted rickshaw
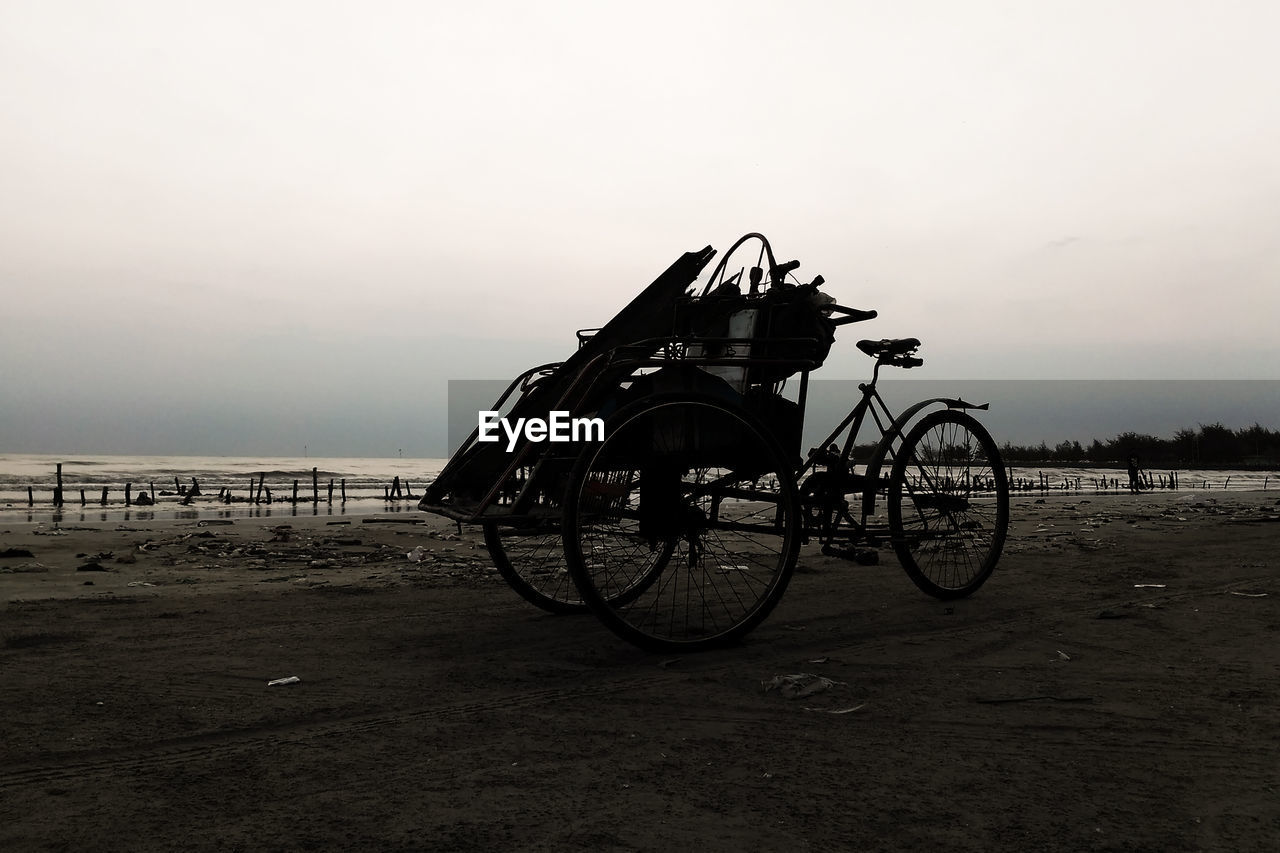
680,526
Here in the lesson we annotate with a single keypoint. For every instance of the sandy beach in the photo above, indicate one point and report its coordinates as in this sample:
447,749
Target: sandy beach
1112,687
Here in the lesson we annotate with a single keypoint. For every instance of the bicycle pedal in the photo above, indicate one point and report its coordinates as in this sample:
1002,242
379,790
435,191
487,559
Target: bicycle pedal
861,556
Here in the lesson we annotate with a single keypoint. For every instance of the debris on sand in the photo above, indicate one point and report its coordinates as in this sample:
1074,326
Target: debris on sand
799,685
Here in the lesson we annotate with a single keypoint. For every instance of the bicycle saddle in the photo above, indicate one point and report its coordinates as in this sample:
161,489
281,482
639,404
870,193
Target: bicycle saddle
889,346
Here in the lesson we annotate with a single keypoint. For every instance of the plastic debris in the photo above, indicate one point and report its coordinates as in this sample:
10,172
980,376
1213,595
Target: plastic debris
417,555
799,685
1149,586
292,679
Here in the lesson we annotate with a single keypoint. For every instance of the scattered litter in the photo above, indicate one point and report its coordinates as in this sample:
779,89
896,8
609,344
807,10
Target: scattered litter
1063,655
837,710
293,679
726,569
1149,586
417,555
208,522
800,685
1250,594
819,660
140,583
26,568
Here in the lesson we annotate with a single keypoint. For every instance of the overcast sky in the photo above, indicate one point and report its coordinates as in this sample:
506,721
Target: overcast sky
239,227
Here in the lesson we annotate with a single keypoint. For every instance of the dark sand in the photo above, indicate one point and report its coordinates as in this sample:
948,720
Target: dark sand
1063,707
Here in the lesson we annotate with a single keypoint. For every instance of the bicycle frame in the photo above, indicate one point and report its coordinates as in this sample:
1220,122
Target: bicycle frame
892,431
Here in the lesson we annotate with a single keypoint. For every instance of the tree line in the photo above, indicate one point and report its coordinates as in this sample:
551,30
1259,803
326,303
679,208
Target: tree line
1212,445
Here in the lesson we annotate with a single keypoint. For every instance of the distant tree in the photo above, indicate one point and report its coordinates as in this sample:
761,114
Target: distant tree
1068,451
1219,445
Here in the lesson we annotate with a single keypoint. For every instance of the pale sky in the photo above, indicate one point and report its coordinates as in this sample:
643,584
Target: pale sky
239,227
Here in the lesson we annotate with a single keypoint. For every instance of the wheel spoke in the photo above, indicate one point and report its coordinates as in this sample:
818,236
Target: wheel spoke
709,525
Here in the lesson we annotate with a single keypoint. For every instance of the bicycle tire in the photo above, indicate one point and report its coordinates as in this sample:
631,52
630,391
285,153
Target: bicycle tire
729,532
532,563
948,504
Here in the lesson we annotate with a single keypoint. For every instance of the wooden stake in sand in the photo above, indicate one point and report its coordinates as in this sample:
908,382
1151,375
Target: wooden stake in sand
128,494
315,487
295,492
57,492
31,497
330,490
104,495
344,491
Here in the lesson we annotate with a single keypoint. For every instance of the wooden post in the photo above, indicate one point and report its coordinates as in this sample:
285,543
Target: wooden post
395,487
295,492
104,495
344,491
82,497
57,493
262,479
177,486
153,494
330,490
128,494
268,495
315,487
31,497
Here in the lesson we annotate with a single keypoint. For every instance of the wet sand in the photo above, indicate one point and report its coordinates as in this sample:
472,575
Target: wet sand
1112,687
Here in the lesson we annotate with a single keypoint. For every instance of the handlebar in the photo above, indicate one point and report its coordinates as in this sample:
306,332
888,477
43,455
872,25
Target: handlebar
779,273
852,315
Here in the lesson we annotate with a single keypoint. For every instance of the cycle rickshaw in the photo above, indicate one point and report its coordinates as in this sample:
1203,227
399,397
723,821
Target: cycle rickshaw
680,526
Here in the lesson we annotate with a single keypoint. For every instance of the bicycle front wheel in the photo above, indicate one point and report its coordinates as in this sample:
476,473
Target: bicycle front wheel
682,527
948,504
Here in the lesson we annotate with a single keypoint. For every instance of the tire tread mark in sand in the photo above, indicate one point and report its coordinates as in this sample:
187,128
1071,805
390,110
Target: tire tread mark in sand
194,748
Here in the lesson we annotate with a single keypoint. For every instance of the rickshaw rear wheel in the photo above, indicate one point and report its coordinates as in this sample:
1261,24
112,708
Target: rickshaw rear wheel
948,504
682,527
532,563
